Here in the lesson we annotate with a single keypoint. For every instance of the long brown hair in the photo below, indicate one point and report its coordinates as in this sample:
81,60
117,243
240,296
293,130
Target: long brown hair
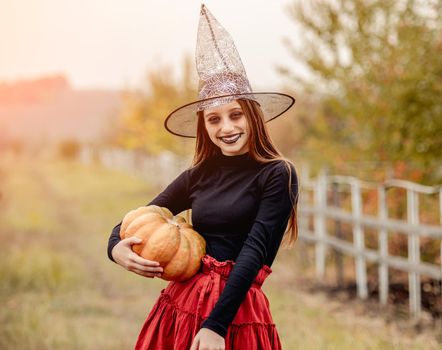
261,148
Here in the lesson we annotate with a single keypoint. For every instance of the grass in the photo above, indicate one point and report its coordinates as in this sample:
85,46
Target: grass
58,290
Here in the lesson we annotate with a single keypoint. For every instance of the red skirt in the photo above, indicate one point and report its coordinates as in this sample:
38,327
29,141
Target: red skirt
182,307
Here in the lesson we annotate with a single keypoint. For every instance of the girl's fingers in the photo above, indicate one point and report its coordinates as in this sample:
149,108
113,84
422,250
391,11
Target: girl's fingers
151,269
139,260
145,274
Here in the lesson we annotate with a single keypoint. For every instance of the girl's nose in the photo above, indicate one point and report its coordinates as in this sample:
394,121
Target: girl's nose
227,126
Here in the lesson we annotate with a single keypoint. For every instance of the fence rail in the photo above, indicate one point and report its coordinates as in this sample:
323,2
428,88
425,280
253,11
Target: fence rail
320,210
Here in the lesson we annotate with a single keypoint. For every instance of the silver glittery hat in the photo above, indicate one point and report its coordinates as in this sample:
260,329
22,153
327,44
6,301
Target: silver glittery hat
222,79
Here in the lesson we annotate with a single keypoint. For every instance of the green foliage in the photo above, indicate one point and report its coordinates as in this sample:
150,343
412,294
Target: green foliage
143,115
377,66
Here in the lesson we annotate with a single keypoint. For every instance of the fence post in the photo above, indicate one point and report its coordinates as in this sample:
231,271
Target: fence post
383,246
413,253
338,253
166,168
303,219
358,240
320,204
440,220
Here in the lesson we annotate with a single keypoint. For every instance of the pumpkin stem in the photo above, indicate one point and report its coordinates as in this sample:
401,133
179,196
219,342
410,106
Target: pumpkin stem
172,221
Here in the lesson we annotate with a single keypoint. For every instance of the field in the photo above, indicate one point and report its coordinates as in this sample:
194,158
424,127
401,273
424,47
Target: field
58,290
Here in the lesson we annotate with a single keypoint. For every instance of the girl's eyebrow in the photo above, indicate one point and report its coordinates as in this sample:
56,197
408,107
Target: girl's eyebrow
230,110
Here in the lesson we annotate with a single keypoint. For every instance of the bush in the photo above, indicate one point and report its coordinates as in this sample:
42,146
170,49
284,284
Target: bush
69,149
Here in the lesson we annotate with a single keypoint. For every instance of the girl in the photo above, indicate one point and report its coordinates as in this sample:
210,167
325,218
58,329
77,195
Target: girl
243,195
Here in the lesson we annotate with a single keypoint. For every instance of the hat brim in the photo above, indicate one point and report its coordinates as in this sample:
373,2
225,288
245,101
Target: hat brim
183,121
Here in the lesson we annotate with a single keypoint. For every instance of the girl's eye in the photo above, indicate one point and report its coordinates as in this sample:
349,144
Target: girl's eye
236,115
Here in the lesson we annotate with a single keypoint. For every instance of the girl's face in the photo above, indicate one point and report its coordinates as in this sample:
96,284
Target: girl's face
228,128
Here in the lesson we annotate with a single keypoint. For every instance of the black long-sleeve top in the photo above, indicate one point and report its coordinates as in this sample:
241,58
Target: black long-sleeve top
241,208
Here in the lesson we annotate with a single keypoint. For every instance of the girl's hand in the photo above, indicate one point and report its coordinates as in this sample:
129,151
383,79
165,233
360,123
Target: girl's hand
124,256
207,339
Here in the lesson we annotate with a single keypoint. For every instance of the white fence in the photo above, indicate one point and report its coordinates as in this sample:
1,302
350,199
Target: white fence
158,170
323,187
161,170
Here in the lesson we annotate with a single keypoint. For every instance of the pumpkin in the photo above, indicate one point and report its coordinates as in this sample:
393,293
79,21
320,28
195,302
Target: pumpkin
166,238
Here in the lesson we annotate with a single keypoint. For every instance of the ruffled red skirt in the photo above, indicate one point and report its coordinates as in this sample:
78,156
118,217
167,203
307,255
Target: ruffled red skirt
182,307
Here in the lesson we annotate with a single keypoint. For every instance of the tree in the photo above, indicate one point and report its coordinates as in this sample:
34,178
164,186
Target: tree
377,66
143,113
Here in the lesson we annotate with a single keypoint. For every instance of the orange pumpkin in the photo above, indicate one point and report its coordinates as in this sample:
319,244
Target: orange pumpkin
168,239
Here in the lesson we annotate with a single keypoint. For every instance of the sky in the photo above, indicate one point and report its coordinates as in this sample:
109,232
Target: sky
114,43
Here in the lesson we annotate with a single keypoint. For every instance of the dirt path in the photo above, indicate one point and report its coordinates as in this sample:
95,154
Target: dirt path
72,220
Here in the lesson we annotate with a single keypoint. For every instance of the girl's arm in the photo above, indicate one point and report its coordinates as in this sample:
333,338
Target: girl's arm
269,226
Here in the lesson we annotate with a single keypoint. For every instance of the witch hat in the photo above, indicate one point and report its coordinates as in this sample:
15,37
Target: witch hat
222,79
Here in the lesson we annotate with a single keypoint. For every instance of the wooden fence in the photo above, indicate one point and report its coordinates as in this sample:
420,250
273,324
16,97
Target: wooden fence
158,170
315,197
314,206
